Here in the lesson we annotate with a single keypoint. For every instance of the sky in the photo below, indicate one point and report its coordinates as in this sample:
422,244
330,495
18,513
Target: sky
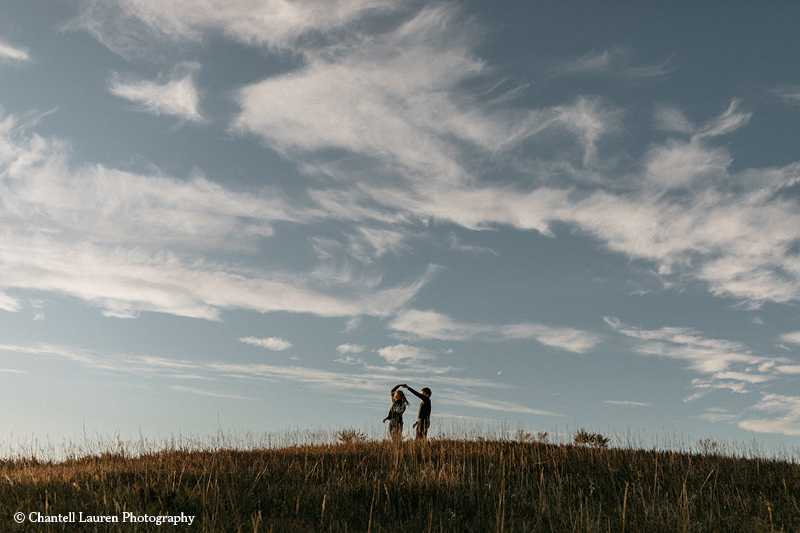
261,215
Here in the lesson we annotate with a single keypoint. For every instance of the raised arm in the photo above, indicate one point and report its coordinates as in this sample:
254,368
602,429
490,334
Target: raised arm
417,394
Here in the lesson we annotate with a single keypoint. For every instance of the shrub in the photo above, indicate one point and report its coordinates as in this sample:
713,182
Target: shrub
595,440
350,436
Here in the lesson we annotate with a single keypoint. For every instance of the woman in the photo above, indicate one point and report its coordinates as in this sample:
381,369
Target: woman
396,411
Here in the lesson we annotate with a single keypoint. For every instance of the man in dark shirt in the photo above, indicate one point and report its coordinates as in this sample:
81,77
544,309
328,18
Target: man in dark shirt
424,416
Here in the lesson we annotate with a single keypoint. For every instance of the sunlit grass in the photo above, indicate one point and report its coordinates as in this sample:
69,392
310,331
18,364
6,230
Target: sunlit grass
465,478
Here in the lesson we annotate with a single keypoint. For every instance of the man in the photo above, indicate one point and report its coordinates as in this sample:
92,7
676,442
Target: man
424,416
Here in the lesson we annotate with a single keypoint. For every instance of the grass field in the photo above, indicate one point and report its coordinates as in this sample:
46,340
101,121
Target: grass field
515,482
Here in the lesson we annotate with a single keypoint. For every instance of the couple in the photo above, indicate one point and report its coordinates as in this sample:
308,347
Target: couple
399,404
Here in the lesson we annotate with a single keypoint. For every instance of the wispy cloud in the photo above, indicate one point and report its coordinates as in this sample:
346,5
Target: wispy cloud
726,365
350,348
727,230
791,338
175,97
455,244
673,119
433,325
614,61
404,354
272,343
384,97
789,93
204,392
371,242
7,303
706,355
627,403
415,140
476,402
363,377
731,120
670,118
12,53
141,366
129,243
451,390
148,27
785,419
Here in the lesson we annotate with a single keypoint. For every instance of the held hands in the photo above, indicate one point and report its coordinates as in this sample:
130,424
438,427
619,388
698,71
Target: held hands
404,386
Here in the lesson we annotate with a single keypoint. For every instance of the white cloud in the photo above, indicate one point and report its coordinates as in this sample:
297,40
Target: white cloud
744,376
672,119
455,244
681,164
591,63
451,390
7,303
203,392
709,356
371,379
176,97
572,340
129,243
786,420
127,282
404,354
433,325
726,365
731,120
790,94
143,366
349,360
629,403
8,52
468,400
396,100
388,97
395,103
614,61
272,343
590,120
730,231
350,348
147,27
791,338
705,386
375,242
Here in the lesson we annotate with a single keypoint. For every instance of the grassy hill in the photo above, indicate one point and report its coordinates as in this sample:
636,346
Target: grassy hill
458,485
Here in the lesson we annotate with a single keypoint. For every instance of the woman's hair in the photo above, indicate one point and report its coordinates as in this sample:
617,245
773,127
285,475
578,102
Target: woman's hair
401,396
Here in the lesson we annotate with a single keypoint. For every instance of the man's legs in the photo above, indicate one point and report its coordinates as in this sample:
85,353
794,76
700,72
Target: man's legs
422,428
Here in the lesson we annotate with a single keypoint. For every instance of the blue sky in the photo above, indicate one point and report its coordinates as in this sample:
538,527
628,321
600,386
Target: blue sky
264,214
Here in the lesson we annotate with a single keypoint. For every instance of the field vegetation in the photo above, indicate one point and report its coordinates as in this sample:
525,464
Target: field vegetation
345,481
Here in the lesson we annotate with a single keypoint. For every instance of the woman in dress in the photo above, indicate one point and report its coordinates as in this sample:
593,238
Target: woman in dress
395,416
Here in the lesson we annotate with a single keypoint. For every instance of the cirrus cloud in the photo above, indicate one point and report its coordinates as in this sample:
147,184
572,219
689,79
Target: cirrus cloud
275,344
433,325
12,53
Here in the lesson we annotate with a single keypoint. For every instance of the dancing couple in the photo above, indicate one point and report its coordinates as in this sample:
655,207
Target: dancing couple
399,403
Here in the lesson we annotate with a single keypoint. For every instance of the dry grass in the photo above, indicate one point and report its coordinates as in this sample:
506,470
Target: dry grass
448,484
